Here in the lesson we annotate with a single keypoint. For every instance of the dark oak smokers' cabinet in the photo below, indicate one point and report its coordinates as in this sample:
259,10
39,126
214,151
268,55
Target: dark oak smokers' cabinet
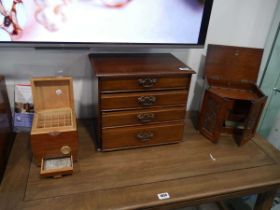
6,135
232,103
141,99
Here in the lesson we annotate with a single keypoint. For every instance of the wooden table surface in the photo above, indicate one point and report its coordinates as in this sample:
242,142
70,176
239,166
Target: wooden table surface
131,179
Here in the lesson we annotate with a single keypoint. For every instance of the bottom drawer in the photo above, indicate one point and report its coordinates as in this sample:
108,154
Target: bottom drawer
139,136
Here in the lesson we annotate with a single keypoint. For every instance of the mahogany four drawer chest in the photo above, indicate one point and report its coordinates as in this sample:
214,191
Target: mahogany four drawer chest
141,99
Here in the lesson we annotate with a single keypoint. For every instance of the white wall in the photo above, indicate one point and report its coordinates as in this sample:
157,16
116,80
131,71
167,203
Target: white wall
267,123
233,22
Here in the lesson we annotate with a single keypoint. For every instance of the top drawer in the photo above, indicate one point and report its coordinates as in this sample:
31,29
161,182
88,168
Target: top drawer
144,83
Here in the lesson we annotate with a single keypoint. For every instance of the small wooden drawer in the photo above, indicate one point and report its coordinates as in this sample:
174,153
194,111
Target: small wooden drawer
139,136
121,101
141,117
56,167
144,83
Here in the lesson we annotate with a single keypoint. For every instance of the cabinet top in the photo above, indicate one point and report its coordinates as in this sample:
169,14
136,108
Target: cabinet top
135,64
52,93
231,63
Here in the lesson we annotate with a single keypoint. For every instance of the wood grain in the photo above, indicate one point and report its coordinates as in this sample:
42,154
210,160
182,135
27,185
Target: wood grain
128,137
236,103
230,63
45,95
136,64
137,89
235,93
54,124
13,186
132,84
132,118
265,200
57,172
124,101
131,179
47,145
140,166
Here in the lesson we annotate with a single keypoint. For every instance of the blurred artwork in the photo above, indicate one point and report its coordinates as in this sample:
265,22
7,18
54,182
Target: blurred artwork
105,21
12,19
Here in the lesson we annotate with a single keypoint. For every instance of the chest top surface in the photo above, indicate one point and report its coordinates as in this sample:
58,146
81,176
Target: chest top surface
135,64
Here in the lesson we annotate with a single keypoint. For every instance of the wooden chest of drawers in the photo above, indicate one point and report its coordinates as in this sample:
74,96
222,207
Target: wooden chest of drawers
141,99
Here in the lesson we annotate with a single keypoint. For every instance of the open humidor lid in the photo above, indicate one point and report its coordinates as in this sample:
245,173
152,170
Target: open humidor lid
52,93
56,166
228,63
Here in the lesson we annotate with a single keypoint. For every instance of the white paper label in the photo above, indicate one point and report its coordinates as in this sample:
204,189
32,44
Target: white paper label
23,94
163,196
184,68
58,92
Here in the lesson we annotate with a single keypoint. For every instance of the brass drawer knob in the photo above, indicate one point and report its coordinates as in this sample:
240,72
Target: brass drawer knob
146,100
66,150
147,82
145,136
145,117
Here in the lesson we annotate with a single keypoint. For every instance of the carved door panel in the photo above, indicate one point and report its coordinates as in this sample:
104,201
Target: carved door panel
252,120
213,113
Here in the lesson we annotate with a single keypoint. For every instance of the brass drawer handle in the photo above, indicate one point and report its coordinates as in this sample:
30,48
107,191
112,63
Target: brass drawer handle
145,117
147,82
146,100
66,150
145,136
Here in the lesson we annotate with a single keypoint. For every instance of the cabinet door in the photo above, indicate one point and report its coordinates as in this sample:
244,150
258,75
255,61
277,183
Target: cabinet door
212,115
251,121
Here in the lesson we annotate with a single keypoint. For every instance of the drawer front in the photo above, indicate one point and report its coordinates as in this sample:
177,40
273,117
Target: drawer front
122,101
139,136
144,83
51,145
142,117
